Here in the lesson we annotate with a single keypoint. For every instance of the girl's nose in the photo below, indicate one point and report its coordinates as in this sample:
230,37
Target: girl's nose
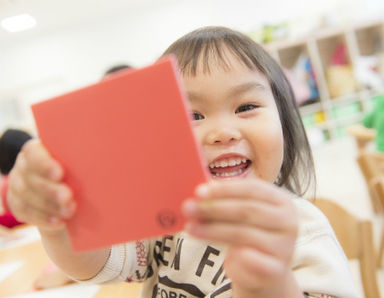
223,136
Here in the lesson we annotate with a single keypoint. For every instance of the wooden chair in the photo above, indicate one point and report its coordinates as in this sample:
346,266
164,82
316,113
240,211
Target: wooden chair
371,164
363,136
356,238
372,167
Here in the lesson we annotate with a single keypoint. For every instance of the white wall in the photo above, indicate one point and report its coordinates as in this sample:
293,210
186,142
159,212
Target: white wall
32,69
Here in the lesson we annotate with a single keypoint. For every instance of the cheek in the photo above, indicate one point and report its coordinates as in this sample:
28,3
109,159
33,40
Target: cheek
269,151
199,135
197,129
277,155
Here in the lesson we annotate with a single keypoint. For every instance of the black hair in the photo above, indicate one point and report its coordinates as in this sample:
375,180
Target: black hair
116,68
11,143
197,50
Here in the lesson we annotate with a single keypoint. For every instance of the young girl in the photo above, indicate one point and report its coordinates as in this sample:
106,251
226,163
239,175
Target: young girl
248,234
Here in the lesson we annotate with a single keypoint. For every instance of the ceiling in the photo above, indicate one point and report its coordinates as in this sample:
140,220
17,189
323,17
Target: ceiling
53,15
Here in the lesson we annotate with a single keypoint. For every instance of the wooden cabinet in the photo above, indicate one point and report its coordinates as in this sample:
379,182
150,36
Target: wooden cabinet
337,57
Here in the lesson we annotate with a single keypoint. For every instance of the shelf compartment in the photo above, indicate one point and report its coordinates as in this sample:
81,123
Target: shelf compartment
289,56
343,98
298,68
336,60
370,39
327,47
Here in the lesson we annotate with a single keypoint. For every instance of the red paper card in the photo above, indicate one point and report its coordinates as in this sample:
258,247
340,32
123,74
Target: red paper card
129,154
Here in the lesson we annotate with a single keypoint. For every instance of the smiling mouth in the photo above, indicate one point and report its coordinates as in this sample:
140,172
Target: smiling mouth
229,167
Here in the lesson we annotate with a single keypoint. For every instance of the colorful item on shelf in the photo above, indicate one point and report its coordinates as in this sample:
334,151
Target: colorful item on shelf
270,33
341,80
311,79
339,56
346,111
300,88
375,120
320,117
340,75
366,72
302,79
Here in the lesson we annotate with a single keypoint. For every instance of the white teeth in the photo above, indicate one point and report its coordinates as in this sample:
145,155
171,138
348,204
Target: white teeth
231,174
231,162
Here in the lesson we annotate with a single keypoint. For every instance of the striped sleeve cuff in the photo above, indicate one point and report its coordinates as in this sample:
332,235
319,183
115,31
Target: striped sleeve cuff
112,268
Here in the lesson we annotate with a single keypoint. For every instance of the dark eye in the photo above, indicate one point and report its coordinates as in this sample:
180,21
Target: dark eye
197,116
245,108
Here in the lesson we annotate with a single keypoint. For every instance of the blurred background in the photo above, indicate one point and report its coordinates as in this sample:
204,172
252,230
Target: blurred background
71,43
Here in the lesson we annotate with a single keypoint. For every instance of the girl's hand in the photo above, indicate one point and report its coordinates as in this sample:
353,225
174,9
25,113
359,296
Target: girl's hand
36,195
258,222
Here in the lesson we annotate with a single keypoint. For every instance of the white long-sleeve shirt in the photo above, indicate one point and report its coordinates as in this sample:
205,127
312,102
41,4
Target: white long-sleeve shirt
182,266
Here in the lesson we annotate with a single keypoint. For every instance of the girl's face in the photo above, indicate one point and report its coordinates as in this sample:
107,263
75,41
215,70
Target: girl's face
236,121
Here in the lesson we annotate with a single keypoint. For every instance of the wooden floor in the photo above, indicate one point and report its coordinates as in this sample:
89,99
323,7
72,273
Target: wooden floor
34,260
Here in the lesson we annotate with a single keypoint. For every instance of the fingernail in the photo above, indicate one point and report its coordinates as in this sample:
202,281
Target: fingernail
54,174
202,191
62,195
53,220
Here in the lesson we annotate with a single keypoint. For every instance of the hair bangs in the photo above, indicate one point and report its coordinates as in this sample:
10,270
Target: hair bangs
198,53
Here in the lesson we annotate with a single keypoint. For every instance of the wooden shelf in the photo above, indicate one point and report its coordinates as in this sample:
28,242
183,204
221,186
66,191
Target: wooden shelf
311,108
345,99
349,104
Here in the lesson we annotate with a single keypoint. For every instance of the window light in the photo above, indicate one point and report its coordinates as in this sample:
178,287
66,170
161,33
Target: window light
18,23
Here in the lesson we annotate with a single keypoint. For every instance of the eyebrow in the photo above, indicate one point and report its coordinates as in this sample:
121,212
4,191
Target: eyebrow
233,91
242,88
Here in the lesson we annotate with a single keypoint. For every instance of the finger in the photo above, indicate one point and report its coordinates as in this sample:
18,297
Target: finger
38,160
21,195
275,244
25,209
242,189
42,219
247,266
247,212
48,195
24,212
50,207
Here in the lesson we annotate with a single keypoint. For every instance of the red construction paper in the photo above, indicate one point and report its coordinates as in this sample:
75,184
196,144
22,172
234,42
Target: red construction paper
129,154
